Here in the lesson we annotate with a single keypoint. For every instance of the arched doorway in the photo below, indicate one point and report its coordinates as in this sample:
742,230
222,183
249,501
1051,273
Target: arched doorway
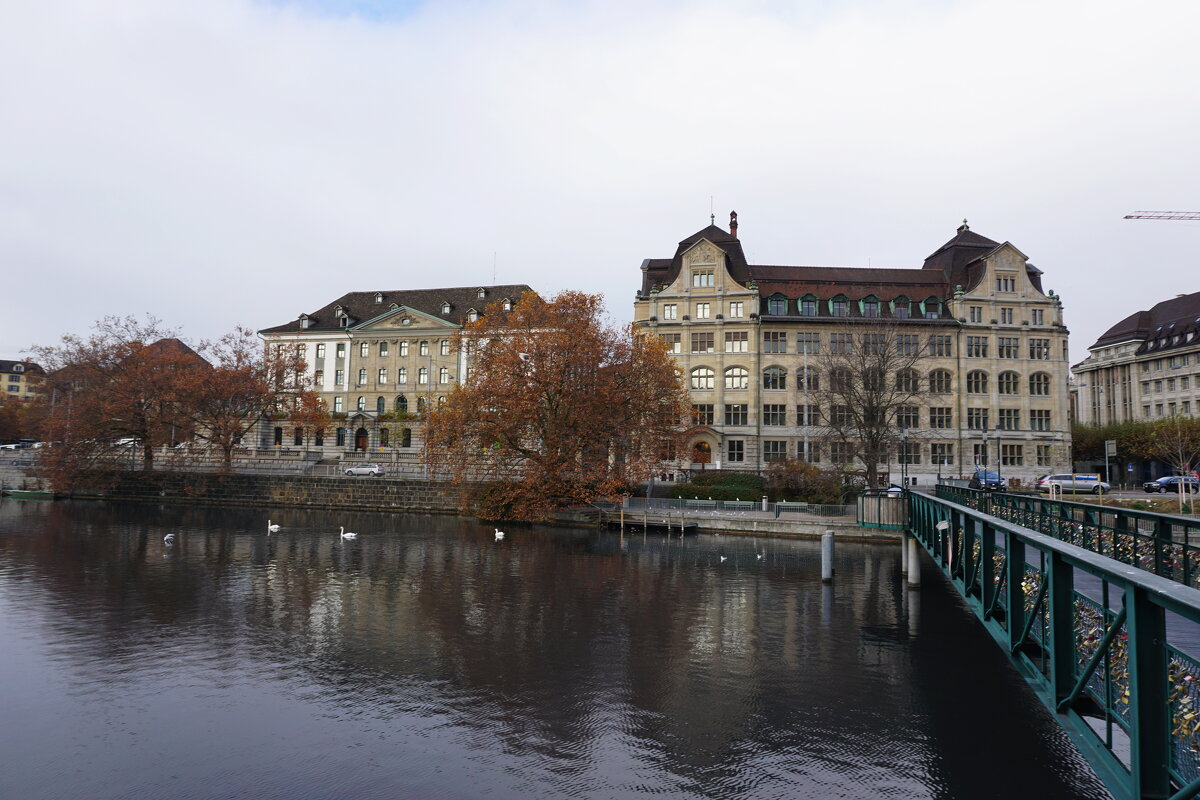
360,439
702,453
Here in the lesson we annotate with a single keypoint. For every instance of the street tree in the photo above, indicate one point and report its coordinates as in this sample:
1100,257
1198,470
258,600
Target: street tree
872,379
114,388
247,383
560,407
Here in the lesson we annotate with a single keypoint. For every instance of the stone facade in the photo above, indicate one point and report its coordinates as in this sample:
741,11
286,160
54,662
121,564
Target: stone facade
1145,367
379,359
993,371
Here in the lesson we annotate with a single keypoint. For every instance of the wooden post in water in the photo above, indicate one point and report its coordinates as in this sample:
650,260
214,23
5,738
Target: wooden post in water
827,557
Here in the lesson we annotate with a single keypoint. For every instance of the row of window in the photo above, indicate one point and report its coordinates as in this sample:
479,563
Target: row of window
939,345
381,376
938,417
1171,409
938,453
809,306
1174,362
1037,316
1009,347
940,381
399,404
318,437
1183,383
365,348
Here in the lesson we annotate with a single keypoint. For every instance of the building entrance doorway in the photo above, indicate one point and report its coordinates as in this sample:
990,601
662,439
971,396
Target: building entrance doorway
360,439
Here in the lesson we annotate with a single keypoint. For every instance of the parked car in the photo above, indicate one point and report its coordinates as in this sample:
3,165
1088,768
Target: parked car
1171,485
988,481
375,470
1074,482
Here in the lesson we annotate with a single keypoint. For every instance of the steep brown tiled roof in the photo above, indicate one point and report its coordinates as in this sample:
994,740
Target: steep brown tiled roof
361,306
662,271
173,346
1167,325
854,282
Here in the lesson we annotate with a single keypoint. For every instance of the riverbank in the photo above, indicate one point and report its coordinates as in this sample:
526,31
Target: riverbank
392,495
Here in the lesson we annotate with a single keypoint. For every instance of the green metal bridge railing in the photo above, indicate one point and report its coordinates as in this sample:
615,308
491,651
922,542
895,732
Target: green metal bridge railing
1164,544
1090,635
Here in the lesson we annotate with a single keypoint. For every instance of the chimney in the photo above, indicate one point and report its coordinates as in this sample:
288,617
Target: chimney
733,223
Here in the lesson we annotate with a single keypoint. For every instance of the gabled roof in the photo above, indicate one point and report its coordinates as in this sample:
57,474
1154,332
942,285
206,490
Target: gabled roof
663,271
1158,327
361,306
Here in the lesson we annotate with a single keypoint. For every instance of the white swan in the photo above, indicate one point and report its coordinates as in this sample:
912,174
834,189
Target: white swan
346,534
722,559
759,556
271,528
169,538
499,534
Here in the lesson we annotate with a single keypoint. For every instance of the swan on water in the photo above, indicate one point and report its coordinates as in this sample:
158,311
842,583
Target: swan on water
345,534
271,528
169,538
722,559
499,534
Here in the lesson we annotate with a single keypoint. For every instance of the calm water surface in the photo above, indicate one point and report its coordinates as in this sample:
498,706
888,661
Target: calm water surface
426,660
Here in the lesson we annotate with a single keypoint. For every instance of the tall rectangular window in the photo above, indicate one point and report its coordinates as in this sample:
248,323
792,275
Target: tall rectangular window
423,375
975,313
808,343
1010,420
1039,349
737,342
444,375
337,405
339,377
841,343
1039,420
1006,316
909,453
1043,455
774,451
1008,347
941,454
737,414
362,377
941,417
977,347
382,377
383,349
702,280
1039,316
808,415
670,311
703,310
402,375
423,349
735,450
977,418
774,414
774,342
320,351
404,349
907,344
702,342
364,349
737,309
939,345
341,351
444,347
702,413
672,342
908,417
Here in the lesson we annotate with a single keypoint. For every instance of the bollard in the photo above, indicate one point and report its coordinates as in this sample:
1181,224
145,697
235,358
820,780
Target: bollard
827,557
903,554
764,507
914,564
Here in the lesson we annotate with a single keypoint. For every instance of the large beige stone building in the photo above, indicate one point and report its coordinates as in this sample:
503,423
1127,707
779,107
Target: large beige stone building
753,341
22,379
379,359
1144,367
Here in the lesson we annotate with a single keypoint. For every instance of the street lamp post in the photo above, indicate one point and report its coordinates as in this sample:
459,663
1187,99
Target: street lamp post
904,458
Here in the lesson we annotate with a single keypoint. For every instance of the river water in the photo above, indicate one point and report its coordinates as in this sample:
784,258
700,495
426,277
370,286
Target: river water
426,660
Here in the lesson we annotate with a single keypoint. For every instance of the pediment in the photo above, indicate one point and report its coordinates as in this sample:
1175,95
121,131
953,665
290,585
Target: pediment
402,317
703,253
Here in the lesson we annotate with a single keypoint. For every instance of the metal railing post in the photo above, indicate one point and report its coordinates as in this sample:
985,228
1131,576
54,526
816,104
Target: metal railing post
987,567
1014,566
1060,602
1149,712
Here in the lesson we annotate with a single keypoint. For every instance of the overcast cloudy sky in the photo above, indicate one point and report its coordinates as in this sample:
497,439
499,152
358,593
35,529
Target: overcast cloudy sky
224,162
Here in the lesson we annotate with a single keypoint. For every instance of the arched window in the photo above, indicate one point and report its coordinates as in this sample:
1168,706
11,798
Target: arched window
907,380
361,404
839,306
977,382
840,379
402,375
383,437
298,437
406,438
939,381
702,378
808,379
808,305
420,405
402,404
1039,383
444,375
337,405
777,305
1009,383
774,378
441,401
901,307
870,306
737,378
931,308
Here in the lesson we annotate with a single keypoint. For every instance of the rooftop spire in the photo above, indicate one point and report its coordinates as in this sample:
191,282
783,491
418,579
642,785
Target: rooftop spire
964,226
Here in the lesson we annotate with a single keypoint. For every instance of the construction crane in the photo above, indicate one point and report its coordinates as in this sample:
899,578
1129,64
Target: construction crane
1164,215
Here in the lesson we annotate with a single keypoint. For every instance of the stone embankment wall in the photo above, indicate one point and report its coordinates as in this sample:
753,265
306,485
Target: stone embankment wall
365,493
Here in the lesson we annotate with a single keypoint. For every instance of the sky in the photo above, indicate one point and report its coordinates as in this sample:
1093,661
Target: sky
239,162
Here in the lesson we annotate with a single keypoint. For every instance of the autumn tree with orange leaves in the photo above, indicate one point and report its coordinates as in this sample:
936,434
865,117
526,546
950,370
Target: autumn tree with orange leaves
559,408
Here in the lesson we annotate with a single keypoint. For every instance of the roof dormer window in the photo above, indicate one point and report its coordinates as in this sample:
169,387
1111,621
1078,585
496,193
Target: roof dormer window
379,297
472,315
445,308
18,367
870,306
481,293
507,304
304,323
338,311
345,321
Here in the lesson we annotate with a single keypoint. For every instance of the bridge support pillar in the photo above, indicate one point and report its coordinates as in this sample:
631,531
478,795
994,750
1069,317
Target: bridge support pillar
914,564
904,539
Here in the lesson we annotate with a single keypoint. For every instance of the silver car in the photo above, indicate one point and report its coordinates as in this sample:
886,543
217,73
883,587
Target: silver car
375,470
